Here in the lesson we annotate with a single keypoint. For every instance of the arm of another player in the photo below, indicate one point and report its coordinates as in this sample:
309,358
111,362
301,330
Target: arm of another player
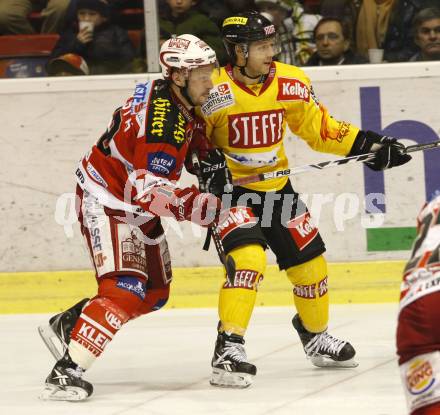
158,194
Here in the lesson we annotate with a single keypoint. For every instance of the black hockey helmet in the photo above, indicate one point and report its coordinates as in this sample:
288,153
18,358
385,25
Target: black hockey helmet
243,28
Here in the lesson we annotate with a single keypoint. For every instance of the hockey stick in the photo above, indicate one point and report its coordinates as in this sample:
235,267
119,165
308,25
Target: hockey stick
228,262
324,165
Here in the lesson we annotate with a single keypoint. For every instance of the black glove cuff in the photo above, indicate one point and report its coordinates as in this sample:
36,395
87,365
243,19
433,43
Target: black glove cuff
364,141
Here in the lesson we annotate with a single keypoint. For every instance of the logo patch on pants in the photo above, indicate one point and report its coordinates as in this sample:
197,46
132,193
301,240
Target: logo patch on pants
133,285
133,252
302,230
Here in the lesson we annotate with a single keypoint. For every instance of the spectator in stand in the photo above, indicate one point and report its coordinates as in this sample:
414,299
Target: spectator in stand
332,37
14,16
399,42
106,47
180,17
277,12
301,24
426,31
372,25
67,65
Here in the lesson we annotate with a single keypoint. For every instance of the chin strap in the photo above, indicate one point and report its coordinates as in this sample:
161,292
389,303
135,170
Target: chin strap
243,72
242,69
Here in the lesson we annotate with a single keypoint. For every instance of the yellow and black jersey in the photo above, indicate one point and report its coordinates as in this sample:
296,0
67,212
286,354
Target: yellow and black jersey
248,122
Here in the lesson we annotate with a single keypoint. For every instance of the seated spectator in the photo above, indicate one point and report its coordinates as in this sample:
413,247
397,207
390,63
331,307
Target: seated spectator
106,48
67,65
277,12
372,25
399,43
346,10
332,37
301,24
180,17
14,16
426,30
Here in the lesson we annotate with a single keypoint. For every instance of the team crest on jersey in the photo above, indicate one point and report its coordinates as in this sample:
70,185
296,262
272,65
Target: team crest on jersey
220,97
292,89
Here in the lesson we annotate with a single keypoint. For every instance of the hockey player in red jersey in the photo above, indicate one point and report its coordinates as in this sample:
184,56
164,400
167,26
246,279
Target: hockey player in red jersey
418,330
126,183
254,101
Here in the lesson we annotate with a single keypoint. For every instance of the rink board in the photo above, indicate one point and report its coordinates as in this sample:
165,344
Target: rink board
45,292
48,124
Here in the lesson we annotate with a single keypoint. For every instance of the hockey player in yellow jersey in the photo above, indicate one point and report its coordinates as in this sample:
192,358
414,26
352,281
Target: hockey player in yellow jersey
253,101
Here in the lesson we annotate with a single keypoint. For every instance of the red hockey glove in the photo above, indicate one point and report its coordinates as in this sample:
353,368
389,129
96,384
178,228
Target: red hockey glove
183,204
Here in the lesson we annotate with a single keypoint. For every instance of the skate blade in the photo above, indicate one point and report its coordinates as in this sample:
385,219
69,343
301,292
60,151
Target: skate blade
321,361
67,393
52,341
222,378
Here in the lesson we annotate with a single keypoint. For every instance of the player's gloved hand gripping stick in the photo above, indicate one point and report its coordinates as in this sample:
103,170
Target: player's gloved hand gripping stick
227,261
326,164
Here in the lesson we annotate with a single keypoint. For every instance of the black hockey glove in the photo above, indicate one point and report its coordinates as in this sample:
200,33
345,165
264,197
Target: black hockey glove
389,152
215,173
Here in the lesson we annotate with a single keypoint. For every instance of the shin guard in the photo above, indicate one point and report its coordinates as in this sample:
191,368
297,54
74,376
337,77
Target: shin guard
237,300
310,293
98,323
118,301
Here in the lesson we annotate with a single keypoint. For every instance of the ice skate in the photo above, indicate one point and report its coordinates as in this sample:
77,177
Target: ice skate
65,382
56,334
323,349
230,368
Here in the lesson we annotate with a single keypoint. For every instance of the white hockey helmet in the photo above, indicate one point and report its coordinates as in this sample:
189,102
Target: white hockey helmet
185,51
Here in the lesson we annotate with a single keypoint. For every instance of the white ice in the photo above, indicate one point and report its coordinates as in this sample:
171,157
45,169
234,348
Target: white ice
159,364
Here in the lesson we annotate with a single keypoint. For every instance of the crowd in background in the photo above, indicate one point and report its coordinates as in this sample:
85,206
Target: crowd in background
92,40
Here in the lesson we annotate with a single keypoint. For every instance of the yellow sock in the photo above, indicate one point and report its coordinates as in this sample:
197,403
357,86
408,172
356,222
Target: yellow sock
236,302
310,293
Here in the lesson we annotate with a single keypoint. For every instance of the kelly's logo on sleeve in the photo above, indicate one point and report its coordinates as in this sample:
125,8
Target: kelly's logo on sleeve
292,89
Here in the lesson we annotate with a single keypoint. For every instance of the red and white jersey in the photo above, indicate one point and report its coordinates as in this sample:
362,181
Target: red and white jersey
422,272
143,147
